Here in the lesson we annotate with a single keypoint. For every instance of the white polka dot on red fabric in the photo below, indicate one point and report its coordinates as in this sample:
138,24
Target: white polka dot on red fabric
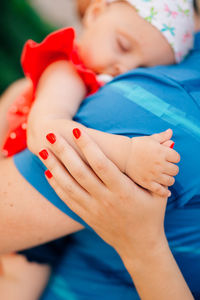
24,126
13,135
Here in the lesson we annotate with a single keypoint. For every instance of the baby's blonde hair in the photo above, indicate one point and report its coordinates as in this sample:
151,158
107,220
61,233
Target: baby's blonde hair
82,6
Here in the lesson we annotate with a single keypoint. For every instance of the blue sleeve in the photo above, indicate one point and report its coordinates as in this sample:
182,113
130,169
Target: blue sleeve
138,103
32,169
49,253
103,111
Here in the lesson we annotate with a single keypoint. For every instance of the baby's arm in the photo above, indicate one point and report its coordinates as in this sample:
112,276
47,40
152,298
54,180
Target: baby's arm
59,94
145,159
126,153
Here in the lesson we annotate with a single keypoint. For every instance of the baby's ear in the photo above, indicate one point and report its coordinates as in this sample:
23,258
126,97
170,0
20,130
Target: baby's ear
96,8
82,6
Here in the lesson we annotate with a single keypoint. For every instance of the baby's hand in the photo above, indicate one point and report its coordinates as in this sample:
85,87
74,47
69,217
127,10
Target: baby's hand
151,162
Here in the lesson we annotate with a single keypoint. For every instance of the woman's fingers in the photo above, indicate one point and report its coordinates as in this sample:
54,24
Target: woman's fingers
75,165
78,207
62,180
101,165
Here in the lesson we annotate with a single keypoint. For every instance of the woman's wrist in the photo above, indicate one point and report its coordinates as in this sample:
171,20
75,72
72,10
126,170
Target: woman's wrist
156,266
134,254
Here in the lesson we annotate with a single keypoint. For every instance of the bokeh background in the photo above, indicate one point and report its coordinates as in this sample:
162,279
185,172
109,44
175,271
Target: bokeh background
28,19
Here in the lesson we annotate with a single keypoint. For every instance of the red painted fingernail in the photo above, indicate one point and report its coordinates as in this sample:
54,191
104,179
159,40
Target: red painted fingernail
76,133
48,174
44,154
172,145
51,138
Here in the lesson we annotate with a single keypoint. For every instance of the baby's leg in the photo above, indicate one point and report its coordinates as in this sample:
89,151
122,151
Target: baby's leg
22,280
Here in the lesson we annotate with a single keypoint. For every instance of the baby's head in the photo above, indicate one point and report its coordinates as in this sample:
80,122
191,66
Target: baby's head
123,35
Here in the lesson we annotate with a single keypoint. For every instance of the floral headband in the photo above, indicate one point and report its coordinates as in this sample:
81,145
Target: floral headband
173,18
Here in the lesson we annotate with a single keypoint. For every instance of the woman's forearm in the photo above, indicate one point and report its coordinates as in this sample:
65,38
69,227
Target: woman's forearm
156,268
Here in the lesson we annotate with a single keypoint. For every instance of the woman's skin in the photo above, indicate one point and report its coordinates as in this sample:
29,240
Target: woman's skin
19,279
106,195
22,280
23,223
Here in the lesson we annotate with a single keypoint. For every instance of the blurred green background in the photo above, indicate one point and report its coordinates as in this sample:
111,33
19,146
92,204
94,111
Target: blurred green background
18,22
21,20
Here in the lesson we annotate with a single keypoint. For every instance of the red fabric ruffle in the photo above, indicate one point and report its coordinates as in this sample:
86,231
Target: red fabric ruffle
35,59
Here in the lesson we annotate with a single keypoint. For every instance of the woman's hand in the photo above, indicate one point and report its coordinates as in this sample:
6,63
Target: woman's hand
102,196
127,217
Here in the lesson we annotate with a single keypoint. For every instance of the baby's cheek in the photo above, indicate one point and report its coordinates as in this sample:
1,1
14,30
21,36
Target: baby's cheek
93,60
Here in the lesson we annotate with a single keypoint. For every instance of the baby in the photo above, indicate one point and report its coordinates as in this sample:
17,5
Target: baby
117,36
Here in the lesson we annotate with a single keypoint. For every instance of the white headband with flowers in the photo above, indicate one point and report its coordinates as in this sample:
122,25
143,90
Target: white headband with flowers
173,18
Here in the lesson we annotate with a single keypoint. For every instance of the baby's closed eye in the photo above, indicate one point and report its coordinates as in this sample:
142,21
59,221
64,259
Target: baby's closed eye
124,44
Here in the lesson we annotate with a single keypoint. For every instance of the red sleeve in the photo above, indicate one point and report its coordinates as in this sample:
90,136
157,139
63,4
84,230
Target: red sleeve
88,76
56,46
37,57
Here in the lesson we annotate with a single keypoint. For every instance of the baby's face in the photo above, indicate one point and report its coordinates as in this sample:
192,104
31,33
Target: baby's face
116,39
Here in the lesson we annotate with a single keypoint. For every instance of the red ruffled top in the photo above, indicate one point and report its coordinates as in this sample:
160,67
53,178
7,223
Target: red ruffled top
35,59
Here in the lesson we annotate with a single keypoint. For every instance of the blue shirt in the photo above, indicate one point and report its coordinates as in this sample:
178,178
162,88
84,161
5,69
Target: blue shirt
140,102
